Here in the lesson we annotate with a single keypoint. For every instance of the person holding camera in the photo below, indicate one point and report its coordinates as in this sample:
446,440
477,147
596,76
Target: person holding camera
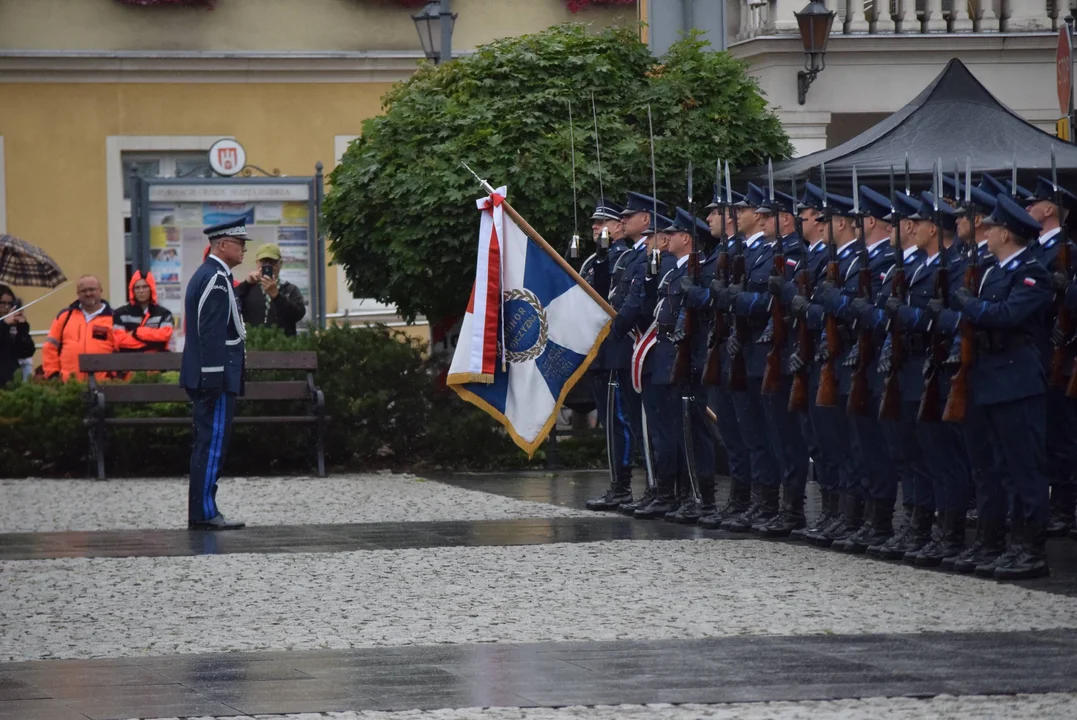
266,299
15,341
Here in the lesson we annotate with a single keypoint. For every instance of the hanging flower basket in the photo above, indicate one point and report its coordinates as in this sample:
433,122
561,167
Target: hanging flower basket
208,4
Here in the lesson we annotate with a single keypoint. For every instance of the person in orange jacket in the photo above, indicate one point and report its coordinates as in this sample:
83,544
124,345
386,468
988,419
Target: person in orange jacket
82,328
142,325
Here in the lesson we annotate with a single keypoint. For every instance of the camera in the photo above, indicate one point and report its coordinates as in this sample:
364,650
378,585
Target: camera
267,270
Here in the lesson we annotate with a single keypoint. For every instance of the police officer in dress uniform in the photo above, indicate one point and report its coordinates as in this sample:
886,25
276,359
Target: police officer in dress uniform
607,230
720,399
212,369
1061,410
880,474
628,298
1008,381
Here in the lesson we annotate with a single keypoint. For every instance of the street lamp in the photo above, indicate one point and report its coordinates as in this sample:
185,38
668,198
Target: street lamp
815,22
434,24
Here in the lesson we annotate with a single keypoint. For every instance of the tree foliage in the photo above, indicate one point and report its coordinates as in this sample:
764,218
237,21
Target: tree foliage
401,210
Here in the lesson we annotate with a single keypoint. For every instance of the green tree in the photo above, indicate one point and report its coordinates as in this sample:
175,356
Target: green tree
401,213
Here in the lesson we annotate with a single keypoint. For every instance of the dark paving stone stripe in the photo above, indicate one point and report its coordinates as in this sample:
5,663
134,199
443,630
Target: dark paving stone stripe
336,538
742,669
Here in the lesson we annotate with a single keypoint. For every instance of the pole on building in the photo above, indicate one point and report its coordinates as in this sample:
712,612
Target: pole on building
319,201
446,32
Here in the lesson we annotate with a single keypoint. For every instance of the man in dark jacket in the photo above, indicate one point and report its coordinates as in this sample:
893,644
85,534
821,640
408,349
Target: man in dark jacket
15,340
265,299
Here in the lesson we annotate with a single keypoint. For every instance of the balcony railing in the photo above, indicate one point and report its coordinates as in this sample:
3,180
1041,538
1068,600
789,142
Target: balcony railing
911,17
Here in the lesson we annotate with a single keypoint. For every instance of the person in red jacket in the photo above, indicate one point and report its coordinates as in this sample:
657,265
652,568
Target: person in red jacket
142,325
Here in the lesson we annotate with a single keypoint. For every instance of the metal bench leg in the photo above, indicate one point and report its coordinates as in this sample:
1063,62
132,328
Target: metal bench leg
319,431
98,434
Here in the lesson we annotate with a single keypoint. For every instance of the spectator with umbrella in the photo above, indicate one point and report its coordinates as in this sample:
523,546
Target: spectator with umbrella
15,341
24,265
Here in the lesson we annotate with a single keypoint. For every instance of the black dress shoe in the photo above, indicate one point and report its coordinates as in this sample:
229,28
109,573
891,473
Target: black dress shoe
218,523
630,508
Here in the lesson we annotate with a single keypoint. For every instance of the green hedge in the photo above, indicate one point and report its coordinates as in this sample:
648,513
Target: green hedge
381,391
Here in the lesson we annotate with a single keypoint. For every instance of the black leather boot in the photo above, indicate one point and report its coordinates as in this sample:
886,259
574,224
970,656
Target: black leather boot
877,528
989,544
1031,562
769,507
630,508
827,512
740,498
743,522
896,537
787,521
933,533
912,541
1014,547
663,503
818,535
620,492
950,543
1063,507
688,513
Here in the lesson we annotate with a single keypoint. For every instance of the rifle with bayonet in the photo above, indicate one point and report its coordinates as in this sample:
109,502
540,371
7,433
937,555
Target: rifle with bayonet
712,368
931,397
1064,317
798,394
860,391
957,405
772,373
890,404
827,396
682,362
738,369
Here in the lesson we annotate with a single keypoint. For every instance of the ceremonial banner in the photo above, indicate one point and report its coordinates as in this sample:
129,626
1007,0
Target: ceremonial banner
531,329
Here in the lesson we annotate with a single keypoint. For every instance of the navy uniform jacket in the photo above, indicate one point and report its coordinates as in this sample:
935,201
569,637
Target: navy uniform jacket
213,352
1008,314
669,314
793,254
917,325
877,314
753,302
699,298
630,267
1047,253
821,298
596,272
880,260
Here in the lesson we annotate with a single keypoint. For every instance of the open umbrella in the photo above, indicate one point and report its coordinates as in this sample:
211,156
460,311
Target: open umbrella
26,265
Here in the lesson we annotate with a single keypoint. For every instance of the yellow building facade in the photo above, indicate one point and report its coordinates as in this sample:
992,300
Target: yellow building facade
89,86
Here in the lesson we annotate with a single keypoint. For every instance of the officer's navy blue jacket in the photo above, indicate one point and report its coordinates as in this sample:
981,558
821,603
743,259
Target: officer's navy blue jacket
669,314
626,282
699,298
596,271
1012,302
213,351
1047,253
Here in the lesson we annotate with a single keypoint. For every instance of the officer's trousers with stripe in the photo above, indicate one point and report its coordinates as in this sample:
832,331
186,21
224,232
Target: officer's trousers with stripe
213,413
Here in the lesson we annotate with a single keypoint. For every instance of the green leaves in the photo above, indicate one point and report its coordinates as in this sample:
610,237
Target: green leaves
400,212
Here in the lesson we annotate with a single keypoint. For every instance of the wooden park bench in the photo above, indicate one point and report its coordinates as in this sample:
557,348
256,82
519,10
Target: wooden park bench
102,395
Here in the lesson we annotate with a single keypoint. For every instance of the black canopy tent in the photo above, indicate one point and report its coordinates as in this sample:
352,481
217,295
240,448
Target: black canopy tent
955,118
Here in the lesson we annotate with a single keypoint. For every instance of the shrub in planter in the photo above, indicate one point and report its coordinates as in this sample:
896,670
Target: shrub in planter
42,429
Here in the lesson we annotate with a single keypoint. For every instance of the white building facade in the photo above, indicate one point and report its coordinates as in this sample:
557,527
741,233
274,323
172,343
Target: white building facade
882,54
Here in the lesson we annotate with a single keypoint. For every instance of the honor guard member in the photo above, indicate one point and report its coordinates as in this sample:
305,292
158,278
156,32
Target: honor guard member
720,399
903,448
748,302
990,504
212,369
1061,410
627,297
783,426
832,429
1008,381
607,230
941,444
801,359
880,474
700,453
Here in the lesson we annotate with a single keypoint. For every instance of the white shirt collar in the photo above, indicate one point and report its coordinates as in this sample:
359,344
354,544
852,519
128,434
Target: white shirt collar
222,262
750,242
931,259
91,316
878,243
681,261
982,244
840,249
639,243
1006,261
910,251
1048,235
815,244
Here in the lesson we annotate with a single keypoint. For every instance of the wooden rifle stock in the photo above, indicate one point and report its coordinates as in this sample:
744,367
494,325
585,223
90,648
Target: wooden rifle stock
890,405
828,377
682,362
1071,389
798,395
1057,377
772,374
860,392
931,397
712,368
957,405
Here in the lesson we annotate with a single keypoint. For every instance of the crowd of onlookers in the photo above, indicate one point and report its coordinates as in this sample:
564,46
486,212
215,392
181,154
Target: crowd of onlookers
90,325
